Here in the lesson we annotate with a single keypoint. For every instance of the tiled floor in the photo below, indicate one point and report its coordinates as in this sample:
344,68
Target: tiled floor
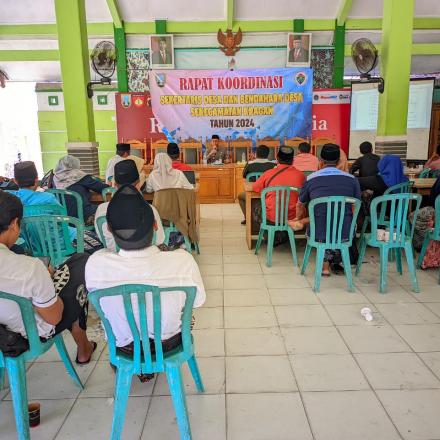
278,361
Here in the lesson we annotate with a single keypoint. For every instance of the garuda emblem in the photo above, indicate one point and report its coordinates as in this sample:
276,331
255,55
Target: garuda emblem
229,43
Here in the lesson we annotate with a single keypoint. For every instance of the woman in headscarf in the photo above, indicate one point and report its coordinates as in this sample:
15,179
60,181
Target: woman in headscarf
164,176
390,173
69,176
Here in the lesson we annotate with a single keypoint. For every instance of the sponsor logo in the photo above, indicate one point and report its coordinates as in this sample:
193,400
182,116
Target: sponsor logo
138,101
301,78
161,79
126,100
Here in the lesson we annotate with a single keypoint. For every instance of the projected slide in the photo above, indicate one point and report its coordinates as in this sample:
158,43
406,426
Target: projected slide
364,114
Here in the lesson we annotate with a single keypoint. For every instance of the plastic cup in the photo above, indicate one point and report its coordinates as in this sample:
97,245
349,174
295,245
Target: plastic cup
34,414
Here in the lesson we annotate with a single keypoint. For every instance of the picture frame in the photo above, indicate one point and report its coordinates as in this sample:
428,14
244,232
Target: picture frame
162,51
299,54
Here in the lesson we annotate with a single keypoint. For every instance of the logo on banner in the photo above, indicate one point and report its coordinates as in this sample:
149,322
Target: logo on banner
138,101
301,78
161,79
126,100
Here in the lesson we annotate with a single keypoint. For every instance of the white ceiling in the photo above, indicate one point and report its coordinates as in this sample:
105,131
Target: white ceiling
43,11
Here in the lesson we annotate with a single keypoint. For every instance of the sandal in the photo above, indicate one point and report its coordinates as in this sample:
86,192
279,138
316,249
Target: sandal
325,274
78,362
337,269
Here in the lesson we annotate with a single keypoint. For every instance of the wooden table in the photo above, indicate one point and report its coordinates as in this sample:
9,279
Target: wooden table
251,232
423,186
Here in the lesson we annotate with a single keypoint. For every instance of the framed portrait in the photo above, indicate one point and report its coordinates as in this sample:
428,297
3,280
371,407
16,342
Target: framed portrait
161,51
299,50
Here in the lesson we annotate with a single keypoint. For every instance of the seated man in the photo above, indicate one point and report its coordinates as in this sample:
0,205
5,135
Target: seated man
58,306
131,221
328,181
123,152
126,173
366,165
259,165
26,177
304,160
214,154
284,174
174,153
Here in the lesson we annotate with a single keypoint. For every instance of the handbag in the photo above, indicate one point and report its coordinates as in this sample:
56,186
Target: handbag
12,344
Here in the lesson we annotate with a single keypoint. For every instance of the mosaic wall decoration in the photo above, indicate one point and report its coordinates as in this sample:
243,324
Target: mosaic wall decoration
138,63
322,64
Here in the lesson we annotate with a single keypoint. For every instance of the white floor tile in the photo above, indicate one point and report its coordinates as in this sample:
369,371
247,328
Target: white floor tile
285,297
421,337
52,415
266,416
91,419
249,317
246,298
328,372
415,413
210,317
259,374
209,342
206,415
407,313
302,315
348,415
254,341
396,371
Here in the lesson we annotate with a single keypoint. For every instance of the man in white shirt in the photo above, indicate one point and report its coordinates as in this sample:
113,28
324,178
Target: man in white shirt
122,153
57,307
125,173
132,224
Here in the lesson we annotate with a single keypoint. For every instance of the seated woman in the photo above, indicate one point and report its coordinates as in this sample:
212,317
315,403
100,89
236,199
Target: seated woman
390,173
69,176
164,176
434,162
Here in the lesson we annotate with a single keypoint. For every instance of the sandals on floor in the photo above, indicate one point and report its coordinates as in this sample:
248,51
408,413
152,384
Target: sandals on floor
89,359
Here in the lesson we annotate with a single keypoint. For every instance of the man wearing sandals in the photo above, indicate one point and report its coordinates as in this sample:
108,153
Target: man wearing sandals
60,302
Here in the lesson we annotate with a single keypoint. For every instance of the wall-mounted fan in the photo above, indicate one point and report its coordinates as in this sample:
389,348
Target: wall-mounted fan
365,56
103,59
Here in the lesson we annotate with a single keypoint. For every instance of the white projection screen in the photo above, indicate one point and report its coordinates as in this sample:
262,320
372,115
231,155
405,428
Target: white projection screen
364,110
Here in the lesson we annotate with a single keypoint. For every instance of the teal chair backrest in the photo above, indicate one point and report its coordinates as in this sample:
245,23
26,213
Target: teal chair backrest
425,173
306,173
398,206
108,190
27,314
38,232
282,199
400,188
146,297
100,221
436,231
253,176
63,195
336,209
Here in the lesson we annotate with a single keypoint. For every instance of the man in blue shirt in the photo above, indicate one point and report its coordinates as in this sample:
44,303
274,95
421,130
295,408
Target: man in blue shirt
327,182
26,177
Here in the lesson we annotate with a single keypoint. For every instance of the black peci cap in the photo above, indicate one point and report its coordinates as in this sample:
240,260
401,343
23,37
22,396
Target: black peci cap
25,173
330,152
172,149
130,218
126,172
123,147
285,154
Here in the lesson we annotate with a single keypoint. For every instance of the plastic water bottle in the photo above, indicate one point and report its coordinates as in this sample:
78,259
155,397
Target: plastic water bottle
204,160
243,158
367,314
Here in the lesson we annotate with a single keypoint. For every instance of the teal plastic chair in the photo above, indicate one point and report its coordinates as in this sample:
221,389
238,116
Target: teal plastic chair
336,209
16,367
49,236
105,191
401,188
306,173
400,235
144,361
431,234
282,198
254,176
62,194
172,228
425,173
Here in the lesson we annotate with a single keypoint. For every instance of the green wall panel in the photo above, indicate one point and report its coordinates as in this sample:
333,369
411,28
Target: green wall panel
50,159
51,121
103,120
53,141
